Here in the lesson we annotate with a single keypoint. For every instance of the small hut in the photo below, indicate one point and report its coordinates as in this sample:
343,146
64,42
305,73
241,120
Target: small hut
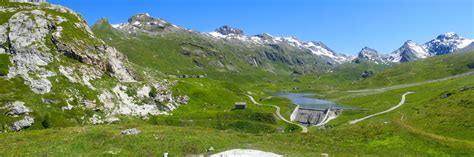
240,105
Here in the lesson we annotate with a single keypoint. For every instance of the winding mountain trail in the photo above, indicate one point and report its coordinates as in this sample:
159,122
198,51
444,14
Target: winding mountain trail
366,92
410,84
386,111
304,128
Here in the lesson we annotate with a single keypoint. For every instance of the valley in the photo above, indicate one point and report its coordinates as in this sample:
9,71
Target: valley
67,88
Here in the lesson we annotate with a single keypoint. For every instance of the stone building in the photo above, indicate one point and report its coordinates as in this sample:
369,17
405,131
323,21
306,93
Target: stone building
240,105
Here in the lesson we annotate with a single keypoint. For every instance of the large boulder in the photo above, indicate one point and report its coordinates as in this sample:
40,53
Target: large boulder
22,124
132,131
17,108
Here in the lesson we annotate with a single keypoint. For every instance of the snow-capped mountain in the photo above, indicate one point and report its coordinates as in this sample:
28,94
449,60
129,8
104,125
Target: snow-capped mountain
317,48
369,54
320,49
447,43
410,50
443,44
145,22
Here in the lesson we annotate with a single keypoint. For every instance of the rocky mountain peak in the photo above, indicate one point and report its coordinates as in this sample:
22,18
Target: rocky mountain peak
265,36
146,23
141,17
409,43
369,54
447,43
103,21
448,36
227,30
366,51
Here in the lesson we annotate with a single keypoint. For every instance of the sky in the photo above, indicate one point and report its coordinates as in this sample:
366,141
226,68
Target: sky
345,26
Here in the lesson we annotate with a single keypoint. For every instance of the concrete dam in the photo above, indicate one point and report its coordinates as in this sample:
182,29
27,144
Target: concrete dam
311,116
312,111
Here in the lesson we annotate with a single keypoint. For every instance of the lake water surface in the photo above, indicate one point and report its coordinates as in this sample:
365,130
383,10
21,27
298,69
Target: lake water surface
304,100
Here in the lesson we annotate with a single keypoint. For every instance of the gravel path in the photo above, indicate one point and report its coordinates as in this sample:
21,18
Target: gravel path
386,111
304,128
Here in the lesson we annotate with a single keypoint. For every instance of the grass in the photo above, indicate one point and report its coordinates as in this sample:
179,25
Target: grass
417,71
4,64
178,141
425,110
433,125
207,121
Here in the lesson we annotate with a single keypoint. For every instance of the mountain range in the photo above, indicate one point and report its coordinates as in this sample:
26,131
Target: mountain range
148,87
443,44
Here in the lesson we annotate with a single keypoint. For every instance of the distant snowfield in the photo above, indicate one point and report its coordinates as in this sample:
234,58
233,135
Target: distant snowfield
245,153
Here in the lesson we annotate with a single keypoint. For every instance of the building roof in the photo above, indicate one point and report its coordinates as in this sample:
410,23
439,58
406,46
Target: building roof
240,103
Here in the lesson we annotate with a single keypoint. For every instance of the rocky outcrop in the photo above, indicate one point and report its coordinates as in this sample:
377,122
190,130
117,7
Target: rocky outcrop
369,54
56,55
127,105
22,124
95,119
28,30
227,30
28,37
143,22
132,131
151,99
3,38
17,108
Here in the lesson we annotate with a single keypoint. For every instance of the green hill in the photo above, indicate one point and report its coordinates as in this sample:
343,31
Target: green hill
179,87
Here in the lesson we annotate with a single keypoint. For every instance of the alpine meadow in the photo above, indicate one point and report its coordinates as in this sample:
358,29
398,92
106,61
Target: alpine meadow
150,87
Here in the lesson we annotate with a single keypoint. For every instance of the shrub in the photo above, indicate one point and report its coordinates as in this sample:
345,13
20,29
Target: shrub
470,65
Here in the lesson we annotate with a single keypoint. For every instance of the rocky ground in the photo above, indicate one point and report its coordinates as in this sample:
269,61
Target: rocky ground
50,46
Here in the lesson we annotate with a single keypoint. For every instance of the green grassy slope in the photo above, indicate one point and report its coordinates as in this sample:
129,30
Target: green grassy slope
191,53
421,70
432,125
434,122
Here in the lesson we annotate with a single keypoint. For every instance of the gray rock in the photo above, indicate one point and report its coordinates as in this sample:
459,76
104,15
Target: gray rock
3,37
28,29
445,95
50,101
132,131
127,105
144,92
89,104
112,119
106,98
95,119
17,108
210,149
22,124
227,30
116,65
183,99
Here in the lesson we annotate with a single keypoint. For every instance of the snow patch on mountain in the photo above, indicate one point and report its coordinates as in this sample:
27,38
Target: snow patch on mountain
449,42
317,48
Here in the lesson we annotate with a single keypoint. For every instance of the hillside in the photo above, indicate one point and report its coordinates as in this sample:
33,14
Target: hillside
56,73
422,70
178,51
67,89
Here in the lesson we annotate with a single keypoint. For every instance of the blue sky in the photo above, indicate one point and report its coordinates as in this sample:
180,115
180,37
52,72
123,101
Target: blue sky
344,25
